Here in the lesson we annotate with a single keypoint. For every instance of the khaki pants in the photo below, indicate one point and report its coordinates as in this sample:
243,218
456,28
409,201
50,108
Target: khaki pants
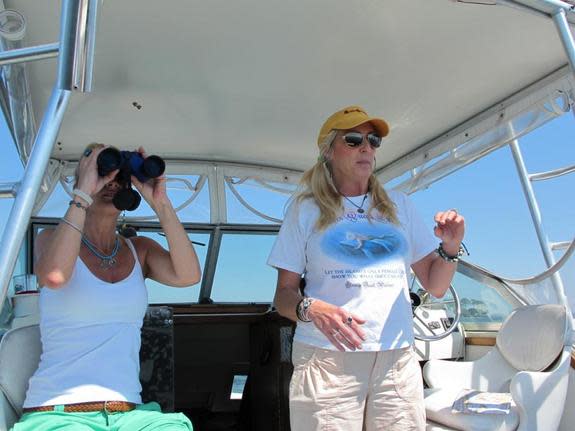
355,391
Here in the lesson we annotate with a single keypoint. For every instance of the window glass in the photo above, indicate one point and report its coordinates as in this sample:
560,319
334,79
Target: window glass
242,274
269,199
161,294
480,304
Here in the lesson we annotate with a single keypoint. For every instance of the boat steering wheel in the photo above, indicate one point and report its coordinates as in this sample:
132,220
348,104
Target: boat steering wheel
419,303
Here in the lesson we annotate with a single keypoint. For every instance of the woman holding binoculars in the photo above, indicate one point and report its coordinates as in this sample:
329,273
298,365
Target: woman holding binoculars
93,305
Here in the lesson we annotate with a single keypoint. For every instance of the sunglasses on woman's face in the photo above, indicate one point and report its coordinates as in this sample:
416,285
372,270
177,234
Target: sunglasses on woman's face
355,139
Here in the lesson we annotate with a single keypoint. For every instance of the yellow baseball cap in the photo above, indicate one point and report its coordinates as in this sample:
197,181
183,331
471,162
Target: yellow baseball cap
348,118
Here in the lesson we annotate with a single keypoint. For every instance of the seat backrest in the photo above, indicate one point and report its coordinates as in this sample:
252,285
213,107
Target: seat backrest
20,351
532,337
157,357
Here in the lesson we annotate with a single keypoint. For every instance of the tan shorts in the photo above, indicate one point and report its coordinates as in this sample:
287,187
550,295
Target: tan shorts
355,391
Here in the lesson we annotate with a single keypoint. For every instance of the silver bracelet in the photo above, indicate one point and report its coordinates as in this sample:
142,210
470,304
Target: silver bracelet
72,225
82,194
302,309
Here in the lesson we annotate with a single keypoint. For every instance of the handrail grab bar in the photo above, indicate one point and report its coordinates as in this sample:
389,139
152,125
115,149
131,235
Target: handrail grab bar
552,174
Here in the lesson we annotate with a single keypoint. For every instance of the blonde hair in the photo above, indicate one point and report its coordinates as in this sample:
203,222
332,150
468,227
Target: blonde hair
317,184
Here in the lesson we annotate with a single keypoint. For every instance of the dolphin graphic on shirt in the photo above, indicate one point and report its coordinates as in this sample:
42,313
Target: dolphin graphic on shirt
369,245
363,244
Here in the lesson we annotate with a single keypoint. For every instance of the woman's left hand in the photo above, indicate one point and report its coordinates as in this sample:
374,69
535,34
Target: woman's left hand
154,190
450,229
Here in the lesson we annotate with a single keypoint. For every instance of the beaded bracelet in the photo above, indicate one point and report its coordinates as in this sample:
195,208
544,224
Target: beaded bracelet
449,258
78,204
83,195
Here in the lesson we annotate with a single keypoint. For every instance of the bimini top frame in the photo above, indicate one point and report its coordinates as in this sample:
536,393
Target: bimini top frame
233,86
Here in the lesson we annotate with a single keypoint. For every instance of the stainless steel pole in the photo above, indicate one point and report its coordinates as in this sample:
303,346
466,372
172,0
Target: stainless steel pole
566,37
33,53
9,190
70,21
536,216
19,217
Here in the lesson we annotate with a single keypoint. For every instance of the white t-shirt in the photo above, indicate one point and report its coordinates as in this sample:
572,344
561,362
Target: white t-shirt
90,333
358,264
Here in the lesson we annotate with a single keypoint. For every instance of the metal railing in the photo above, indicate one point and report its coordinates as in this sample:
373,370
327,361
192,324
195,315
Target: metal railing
77,18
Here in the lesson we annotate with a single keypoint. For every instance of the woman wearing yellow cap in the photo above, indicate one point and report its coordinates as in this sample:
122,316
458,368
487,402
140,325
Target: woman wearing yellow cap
353,242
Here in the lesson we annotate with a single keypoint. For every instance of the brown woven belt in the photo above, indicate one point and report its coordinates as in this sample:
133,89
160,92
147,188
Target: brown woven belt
94,406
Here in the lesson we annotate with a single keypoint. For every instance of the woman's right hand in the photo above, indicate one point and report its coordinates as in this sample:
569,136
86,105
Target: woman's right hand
341,328
88,179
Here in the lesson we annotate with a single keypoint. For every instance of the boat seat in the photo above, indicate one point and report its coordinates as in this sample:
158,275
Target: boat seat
530,361
20,351
434,426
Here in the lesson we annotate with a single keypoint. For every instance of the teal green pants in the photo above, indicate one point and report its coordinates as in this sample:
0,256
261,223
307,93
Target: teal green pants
146,417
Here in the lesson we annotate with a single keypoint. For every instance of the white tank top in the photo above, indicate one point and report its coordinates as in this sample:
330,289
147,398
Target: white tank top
90,333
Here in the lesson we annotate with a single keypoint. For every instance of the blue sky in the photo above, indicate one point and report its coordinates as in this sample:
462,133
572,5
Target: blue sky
499,232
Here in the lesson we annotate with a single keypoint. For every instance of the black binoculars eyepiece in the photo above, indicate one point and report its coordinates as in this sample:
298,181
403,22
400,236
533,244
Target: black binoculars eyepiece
129,163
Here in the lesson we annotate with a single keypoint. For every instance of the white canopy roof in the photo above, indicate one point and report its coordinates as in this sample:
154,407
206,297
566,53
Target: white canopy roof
249,81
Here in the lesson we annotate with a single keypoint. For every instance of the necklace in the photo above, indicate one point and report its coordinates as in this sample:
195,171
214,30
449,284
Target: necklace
107,261
359,207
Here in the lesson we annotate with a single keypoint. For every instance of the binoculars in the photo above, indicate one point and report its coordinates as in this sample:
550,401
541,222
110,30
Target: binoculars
129,163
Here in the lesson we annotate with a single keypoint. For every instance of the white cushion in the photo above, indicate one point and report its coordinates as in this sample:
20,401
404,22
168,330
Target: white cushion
433,426
20,351
489,373
8,416
532,337
438,405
